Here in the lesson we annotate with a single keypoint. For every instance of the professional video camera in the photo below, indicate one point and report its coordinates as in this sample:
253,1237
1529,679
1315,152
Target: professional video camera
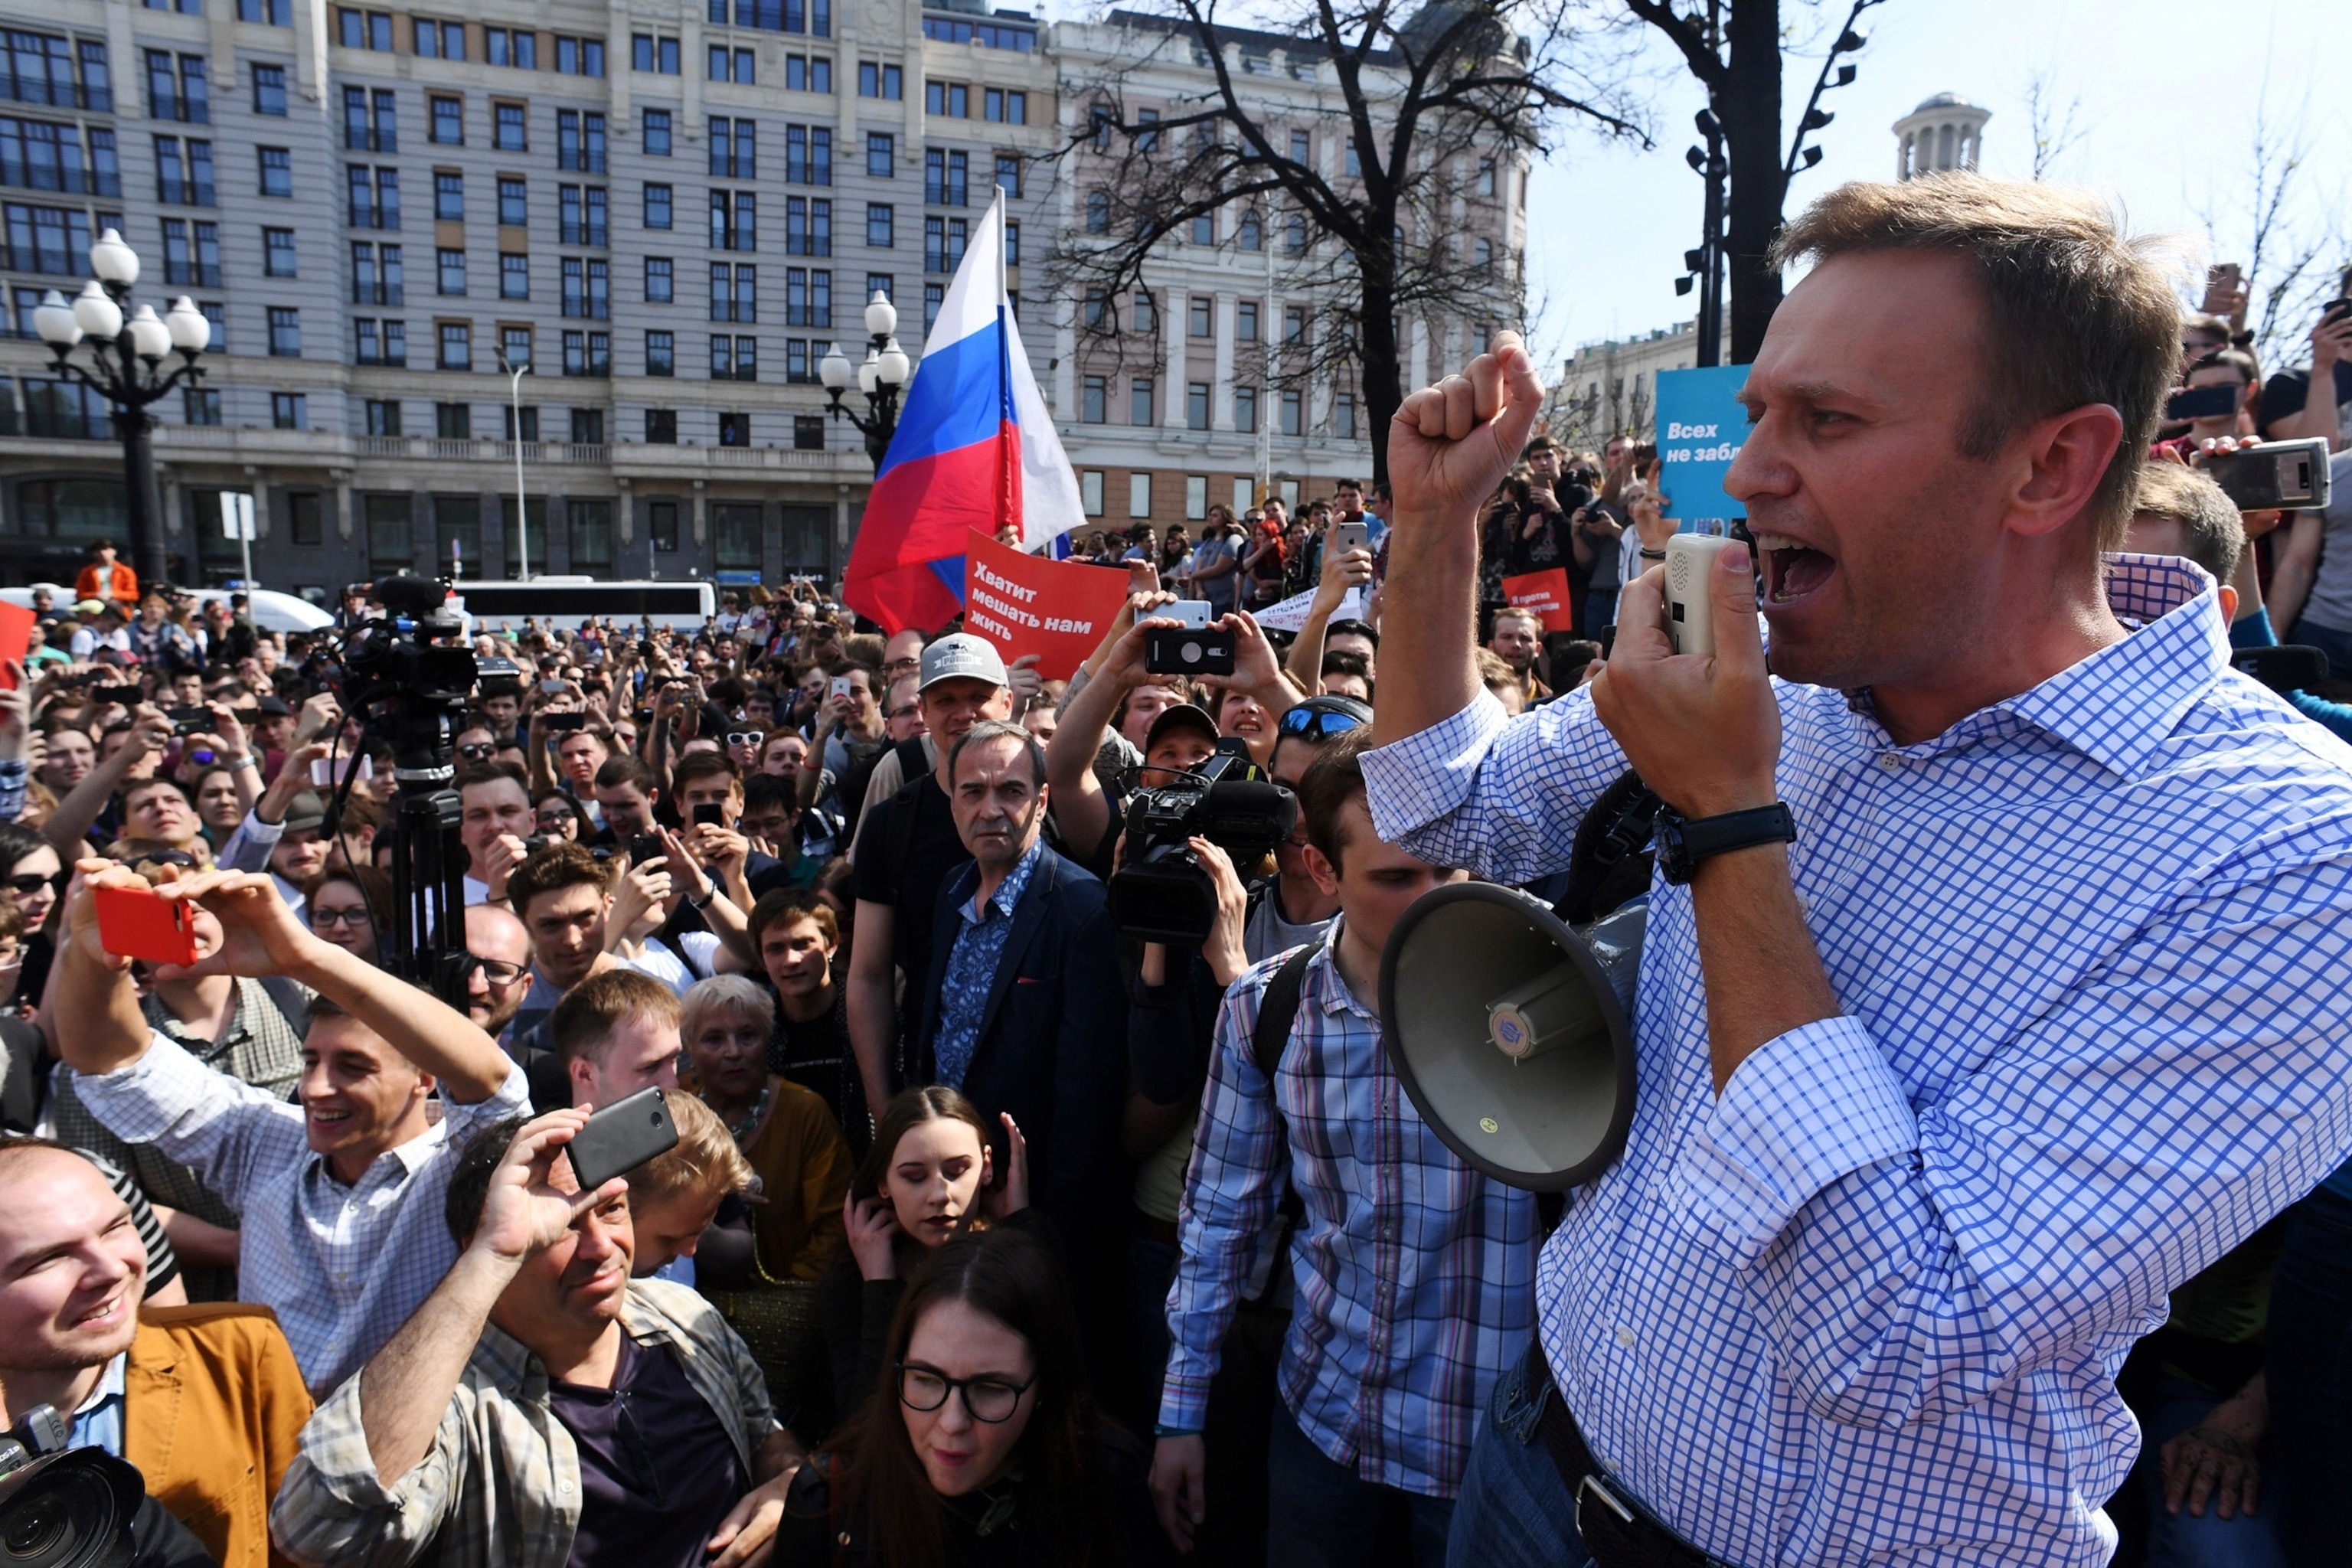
78,1508
1159,893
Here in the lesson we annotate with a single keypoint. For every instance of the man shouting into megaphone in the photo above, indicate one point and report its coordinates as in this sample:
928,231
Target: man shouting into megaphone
2041,1010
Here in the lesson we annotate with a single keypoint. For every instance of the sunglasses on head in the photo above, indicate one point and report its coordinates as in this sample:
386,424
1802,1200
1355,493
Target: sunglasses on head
1317,723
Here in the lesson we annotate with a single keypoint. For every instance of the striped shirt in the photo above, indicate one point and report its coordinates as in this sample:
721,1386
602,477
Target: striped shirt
1415,1275
1867,1304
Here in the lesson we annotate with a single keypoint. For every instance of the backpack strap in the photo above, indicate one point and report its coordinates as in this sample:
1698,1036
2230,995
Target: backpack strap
1277,1009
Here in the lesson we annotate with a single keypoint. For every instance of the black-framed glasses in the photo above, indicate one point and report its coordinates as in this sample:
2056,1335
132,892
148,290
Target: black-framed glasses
355,917
989,1399
1317,723
496,970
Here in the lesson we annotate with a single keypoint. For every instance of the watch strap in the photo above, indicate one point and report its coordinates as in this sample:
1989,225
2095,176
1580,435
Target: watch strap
1693,839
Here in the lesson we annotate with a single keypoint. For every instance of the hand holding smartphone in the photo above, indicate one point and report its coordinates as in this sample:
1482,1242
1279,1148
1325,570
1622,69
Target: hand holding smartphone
618,1138
139,922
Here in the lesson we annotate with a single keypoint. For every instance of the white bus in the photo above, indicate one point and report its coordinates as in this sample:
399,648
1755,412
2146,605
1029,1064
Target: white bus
683,605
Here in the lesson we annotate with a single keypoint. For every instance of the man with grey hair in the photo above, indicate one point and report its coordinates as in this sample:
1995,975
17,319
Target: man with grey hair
1025,1010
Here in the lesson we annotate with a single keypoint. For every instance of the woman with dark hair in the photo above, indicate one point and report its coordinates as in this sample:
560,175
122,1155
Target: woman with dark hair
36,877
560,816
929,1177
351,906
979,1446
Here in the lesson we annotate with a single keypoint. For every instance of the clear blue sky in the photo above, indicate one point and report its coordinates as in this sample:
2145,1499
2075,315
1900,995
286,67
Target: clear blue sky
2170,92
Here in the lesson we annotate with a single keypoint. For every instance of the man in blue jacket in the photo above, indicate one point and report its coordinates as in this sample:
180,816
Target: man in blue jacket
1024,1011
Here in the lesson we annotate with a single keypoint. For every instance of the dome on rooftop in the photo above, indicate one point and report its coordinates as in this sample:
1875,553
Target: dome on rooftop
1945,100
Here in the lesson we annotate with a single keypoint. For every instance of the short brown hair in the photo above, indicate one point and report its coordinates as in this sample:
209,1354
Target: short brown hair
2075,312
1495,674
1519,613
583,1023
2212,535
705,1159
557,867
782,905
490,774
703,764
1334,778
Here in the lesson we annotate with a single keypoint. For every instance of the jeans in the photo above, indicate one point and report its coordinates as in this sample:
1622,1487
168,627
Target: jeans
2183,1540
2309,1360
2335,645
1321,1512
1514,1510
1600,611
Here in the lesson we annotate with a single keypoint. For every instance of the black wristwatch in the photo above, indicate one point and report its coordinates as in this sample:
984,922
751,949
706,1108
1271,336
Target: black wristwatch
1683,842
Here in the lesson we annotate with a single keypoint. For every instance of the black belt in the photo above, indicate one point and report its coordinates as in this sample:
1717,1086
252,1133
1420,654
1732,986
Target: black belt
1618,1532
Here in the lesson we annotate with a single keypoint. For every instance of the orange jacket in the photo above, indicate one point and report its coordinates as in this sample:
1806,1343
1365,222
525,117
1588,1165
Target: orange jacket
125,585
212,1407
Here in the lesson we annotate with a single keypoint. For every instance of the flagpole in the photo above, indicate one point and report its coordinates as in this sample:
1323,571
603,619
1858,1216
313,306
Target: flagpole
1004,342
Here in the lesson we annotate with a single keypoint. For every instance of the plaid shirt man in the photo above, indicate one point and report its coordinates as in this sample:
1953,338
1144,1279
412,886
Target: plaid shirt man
1416,1273
501,1481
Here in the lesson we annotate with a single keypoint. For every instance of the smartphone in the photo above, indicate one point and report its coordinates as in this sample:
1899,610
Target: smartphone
2202,403
644,848
559,722
1193,613
1189,651
1347,536
190,721
841,686
125,694
620,1137
553,686
138,922
2289,476
326,772
710,811
2336,310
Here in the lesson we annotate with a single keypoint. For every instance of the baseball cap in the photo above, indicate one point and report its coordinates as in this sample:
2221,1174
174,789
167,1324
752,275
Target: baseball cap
1180,716
306,813
88,607
962,657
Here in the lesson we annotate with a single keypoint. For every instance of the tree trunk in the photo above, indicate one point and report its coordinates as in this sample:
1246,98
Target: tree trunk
1383,371
1751,116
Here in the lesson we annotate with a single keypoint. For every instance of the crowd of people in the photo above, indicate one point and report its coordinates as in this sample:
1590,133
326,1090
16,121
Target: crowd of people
1014,1218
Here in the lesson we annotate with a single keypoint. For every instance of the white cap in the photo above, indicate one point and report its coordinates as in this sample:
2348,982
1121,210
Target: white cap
962,657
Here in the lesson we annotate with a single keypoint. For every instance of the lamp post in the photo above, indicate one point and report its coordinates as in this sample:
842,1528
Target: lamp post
127,351
880,378
515,373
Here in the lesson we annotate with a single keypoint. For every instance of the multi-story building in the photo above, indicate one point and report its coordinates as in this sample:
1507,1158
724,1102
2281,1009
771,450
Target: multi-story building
1216,408
1611,387
668,208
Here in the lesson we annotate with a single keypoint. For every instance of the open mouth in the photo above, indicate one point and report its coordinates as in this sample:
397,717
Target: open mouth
1792,570
106,1310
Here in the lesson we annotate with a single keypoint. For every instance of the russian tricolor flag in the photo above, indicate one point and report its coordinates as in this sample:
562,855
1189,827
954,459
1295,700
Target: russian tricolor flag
975,448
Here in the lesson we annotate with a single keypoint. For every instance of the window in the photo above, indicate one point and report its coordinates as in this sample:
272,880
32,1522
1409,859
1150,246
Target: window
579,57
934,296
951,99
1294,234
1090,400
534,515
808,73
581,213
729,65
376,275
191,252
656,132
734,220
1008,173
1246,322
1343,417
733,146
1139,401
1098,212
661,430
1138,495
881,154
42,239
269,13
1204,229
285,331
514,201
376,198
388,516
734,294
176,88
1481,254
735,431
456,351
648,52
381,343
1002,105
580,140
661,354
215,316
1486,176
1147,315
657,206
452,422
879,283
738,536
1012,243
269,89
446,121
659,287
289,411
1293,414
358,29
1302,146
879,226
277,253
590,522
1196,497
808,227
200,404
449,271
587,287
808,433
796,361
1196,405
1090,488
987,35
1249,235
370,124
945,176
1245,410
276,171
184,172
587,430
1095,317
516,46
808,155
63,409
1201,316
514,351
1355,164
943,244
448,196
1294,323
734,358
304,519
875,80
510,127
440,40
587,354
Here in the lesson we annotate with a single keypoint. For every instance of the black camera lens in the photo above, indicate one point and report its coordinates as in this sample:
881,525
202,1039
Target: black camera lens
34,1529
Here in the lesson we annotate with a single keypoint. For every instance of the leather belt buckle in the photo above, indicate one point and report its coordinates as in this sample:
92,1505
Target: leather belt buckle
1593,1486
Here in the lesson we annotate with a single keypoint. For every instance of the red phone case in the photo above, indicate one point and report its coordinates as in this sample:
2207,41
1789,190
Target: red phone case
135,923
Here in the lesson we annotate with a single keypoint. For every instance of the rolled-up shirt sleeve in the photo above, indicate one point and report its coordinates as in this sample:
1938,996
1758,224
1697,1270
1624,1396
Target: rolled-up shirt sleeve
1500,796
334,1512
249,847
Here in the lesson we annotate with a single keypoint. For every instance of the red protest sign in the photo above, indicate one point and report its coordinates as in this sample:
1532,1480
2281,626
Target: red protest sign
1545,593
16,637
1026,603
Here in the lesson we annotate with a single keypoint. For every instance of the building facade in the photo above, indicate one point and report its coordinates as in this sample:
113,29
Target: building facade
668,208
1611,387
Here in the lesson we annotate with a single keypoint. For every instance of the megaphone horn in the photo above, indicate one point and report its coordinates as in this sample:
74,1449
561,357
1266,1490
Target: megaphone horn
1510,1030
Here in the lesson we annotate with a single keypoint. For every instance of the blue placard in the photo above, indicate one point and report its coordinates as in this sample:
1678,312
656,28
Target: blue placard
1701,425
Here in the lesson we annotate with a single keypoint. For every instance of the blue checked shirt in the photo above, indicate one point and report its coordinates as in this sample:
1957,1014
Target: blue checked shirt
2093,946
1415,1275
342,1267
972,962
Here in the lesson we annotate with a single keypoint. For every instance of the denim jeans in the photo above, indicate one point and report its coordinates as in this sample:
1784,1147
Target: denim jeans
2308,1355
2184,1540
1322,1513
2335,645
1514,1510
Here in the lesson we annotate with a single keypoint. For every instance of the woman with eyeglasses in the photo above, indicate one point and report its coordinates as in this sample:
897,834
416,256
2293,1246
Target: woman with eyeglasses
980,1444
351,907
560,817
36,877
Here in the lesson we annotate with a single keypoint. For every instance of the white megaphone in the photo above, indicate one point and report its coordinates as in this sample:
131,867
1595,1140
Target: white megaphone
1512,1030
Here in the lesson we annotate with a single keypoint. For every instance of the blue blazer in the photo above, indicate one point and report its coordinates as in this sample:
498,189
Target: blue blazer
1053,1038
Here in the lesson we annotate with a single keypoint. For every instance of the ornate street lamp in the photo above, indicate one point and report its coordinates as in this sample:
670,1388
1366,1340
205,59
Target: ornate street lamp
127,350
879,379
